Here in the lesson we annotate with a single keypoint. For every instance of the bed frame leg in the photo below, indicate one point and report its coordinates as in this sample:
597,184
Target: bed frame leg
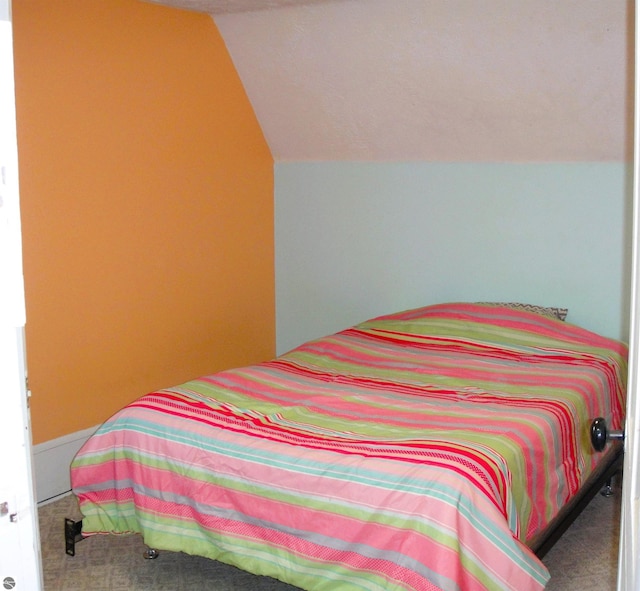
607,491
150,554
72,534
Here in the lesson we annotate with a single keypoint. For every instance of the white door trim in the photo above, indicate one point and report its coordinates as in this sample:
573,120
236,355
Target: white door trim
628,579
20,560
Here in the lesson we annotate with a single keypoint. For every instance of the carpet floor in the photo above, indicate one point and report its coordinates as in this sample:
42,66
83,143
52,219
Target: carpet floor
585,559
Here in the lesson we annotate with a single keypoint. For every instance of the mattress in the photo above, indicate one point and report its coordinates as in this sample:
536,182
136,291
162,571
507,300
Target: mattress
415,451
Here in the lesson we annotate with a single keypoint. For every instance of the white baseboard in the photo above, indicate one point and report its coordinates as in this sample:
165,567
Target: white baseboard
51,461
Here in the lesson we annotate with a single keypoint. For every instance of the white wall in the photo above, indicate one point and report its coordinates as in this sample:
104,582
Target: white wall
354,240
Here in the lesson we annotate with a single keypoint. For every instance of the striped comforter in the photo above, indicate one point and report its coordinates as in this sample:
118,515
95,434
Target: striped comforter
415,451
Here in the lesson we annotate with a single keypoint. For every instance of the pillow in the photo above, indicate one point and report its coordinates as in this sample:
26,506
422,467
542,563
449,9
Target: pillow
549,312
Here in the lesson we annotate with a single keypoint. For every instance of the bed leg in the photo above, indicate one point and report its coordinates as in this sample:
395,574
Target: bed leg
150,554
72,534
607,491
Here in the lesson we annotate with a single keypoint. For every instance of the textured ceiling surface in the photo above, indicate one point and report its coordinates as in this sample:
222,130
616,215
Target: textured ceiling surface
440,80
232,6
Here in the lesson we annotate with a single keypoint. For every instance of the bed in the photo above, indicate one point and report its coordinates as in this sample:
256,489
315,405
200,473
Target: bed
431,449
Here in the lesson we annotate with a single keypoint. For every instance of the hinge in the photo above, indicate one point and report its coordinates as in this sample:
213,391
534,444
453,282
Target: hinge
27,390
4,510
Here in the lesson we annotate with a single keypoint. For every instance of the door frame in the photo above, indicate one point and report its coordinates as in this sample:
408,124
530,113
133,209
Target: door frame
20,553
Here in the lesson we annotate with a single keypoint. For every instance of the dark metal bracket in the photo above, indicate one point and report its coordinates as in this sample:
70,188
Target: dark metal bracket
72,534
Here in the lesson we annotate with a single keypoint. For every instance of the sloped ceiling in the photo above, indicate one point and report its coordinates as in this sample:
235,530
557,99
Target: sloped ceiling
214,7
437,80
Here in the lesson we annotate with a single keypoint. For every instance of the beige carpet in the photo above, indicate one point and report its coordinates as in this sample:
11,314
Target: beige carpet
585,559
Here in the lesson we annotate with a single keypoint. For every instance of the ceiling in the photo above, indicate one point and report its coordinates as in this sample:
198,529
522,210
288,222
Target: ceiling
437,80
232,6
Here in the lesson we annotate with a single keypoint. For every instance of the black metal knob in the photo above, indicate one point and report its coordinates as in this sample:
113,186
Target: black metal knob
600,434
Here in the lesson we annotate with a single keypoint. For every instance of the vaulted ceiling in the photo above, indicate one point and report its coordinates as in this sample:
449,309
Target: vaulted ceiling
437,80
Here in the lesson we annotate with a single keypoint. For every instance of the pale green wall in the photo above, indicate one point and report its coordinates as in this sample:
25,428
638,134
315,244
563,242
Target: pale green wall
354,240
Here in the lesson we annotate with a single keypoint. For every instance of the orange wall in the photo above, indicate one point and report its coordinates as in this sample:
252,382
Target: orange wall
147,206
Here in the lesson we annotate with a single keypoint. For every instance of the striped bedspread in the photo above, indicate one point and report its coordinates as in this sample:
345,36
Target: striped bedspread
415,451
